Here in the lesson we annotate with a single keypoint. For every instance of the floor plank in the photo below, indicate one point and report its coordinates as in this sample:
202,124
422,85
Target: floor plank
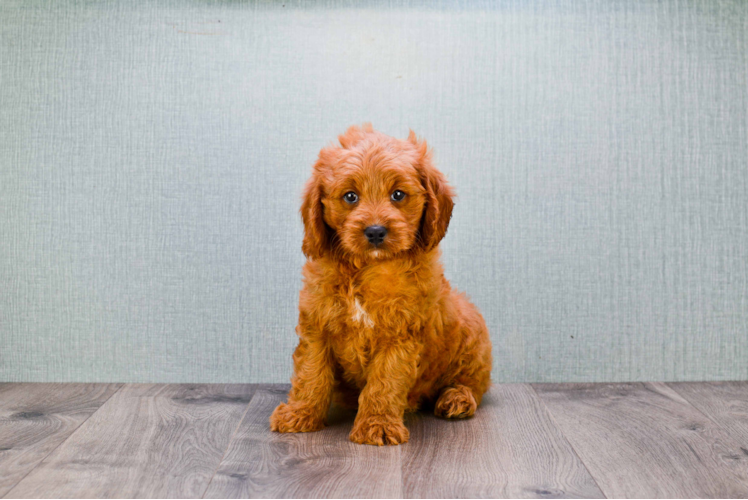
645,440
146,441
36,418
509,449
726,403
324,464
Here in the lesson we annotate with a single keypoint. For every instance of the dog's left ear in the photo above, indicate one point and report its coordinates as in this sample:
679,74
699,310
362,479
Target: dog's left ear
439,197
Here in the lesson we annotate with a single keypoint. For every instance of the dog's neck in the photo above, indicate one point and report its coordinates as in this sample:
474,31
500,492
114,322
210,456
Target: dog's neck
410,259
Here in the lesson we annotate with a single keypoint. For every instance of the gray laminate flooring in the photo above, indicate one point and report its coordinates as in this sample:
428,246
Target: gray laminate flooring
526,441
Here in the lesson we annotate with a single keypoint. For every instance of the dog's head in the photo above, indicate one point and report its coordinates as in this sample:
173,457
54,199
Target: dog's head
374,197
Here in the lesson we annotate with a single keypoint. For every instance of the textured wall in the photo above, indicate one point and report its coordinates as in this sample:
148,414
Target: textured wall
152,157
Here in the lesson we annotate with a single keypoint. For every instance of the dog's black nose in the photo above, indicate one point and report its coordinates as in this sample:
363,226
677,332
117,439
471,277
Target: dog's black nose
375,234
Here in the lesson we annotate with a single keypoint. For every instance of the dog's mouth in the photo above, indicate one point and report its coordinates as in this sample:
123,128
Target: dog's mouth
358,247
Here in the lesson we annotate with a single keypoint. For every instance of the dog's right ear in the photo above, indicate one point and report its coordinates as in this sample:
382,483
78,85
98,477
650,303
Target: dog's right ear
317,235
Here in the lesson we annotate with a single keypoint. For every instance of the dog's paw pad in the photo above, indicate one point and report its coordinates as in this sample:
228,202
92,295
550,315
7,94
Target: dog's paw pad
380,434
288,419
455,402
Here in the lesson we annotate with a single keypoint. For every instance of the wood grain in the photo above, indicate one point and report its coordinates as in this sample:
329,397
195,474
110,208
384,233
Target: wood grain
509,449
636,440
645,440
726,403
146,441
36,418
324,464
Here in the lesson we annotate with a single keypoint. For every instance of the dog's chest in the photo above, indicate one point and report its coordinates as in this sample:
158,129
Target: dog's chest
362,320
359,334
357,316
370,304
368,312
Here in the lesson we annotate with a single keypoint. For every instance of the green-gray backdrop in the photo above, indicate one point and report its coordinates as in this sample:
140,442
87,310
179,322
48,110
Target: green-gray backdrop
152,156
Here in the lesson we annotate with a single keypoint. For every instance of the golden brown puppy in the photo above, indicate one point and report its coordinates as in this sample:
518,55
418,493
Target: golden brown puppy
379,325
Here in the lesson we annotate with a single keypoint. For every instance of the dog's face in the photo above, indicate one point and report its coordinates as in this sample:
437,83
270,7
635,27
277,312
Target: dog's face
374,197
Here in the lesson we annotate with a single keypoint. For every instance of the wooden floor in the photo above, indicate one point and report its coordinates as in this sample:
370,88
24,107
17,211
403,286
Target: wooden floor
540,441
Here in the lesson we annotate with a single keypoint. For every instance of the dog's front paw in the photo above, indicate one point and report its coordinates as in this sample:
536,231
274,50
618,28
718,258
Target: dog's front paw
379,432
287,418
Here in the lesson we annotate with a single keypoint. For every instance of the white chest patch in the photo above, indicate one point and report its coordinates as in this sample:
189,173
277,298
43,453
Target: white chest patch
360,315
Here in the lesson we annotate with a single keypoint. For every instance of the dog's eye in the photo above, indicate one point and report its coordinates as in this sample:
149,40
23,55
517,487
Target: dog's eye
350,197
397,196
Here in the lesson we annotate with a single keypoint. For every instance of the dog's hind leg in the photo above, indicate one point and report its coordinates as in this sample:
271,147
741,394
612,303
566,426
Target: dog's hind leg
457,401
461,397
464,392
469,375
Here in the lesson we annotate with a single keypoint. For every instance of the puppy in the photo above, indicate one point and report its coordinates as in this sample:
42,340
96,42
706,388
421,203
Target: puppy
380,328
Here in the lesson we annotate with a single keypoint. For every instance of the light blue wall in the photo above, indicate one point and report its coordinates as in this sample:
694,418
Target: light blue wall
152,156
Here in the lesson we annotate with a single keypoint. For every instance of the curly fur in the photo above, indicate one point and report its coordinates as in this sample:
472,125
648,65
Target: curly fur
380,328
